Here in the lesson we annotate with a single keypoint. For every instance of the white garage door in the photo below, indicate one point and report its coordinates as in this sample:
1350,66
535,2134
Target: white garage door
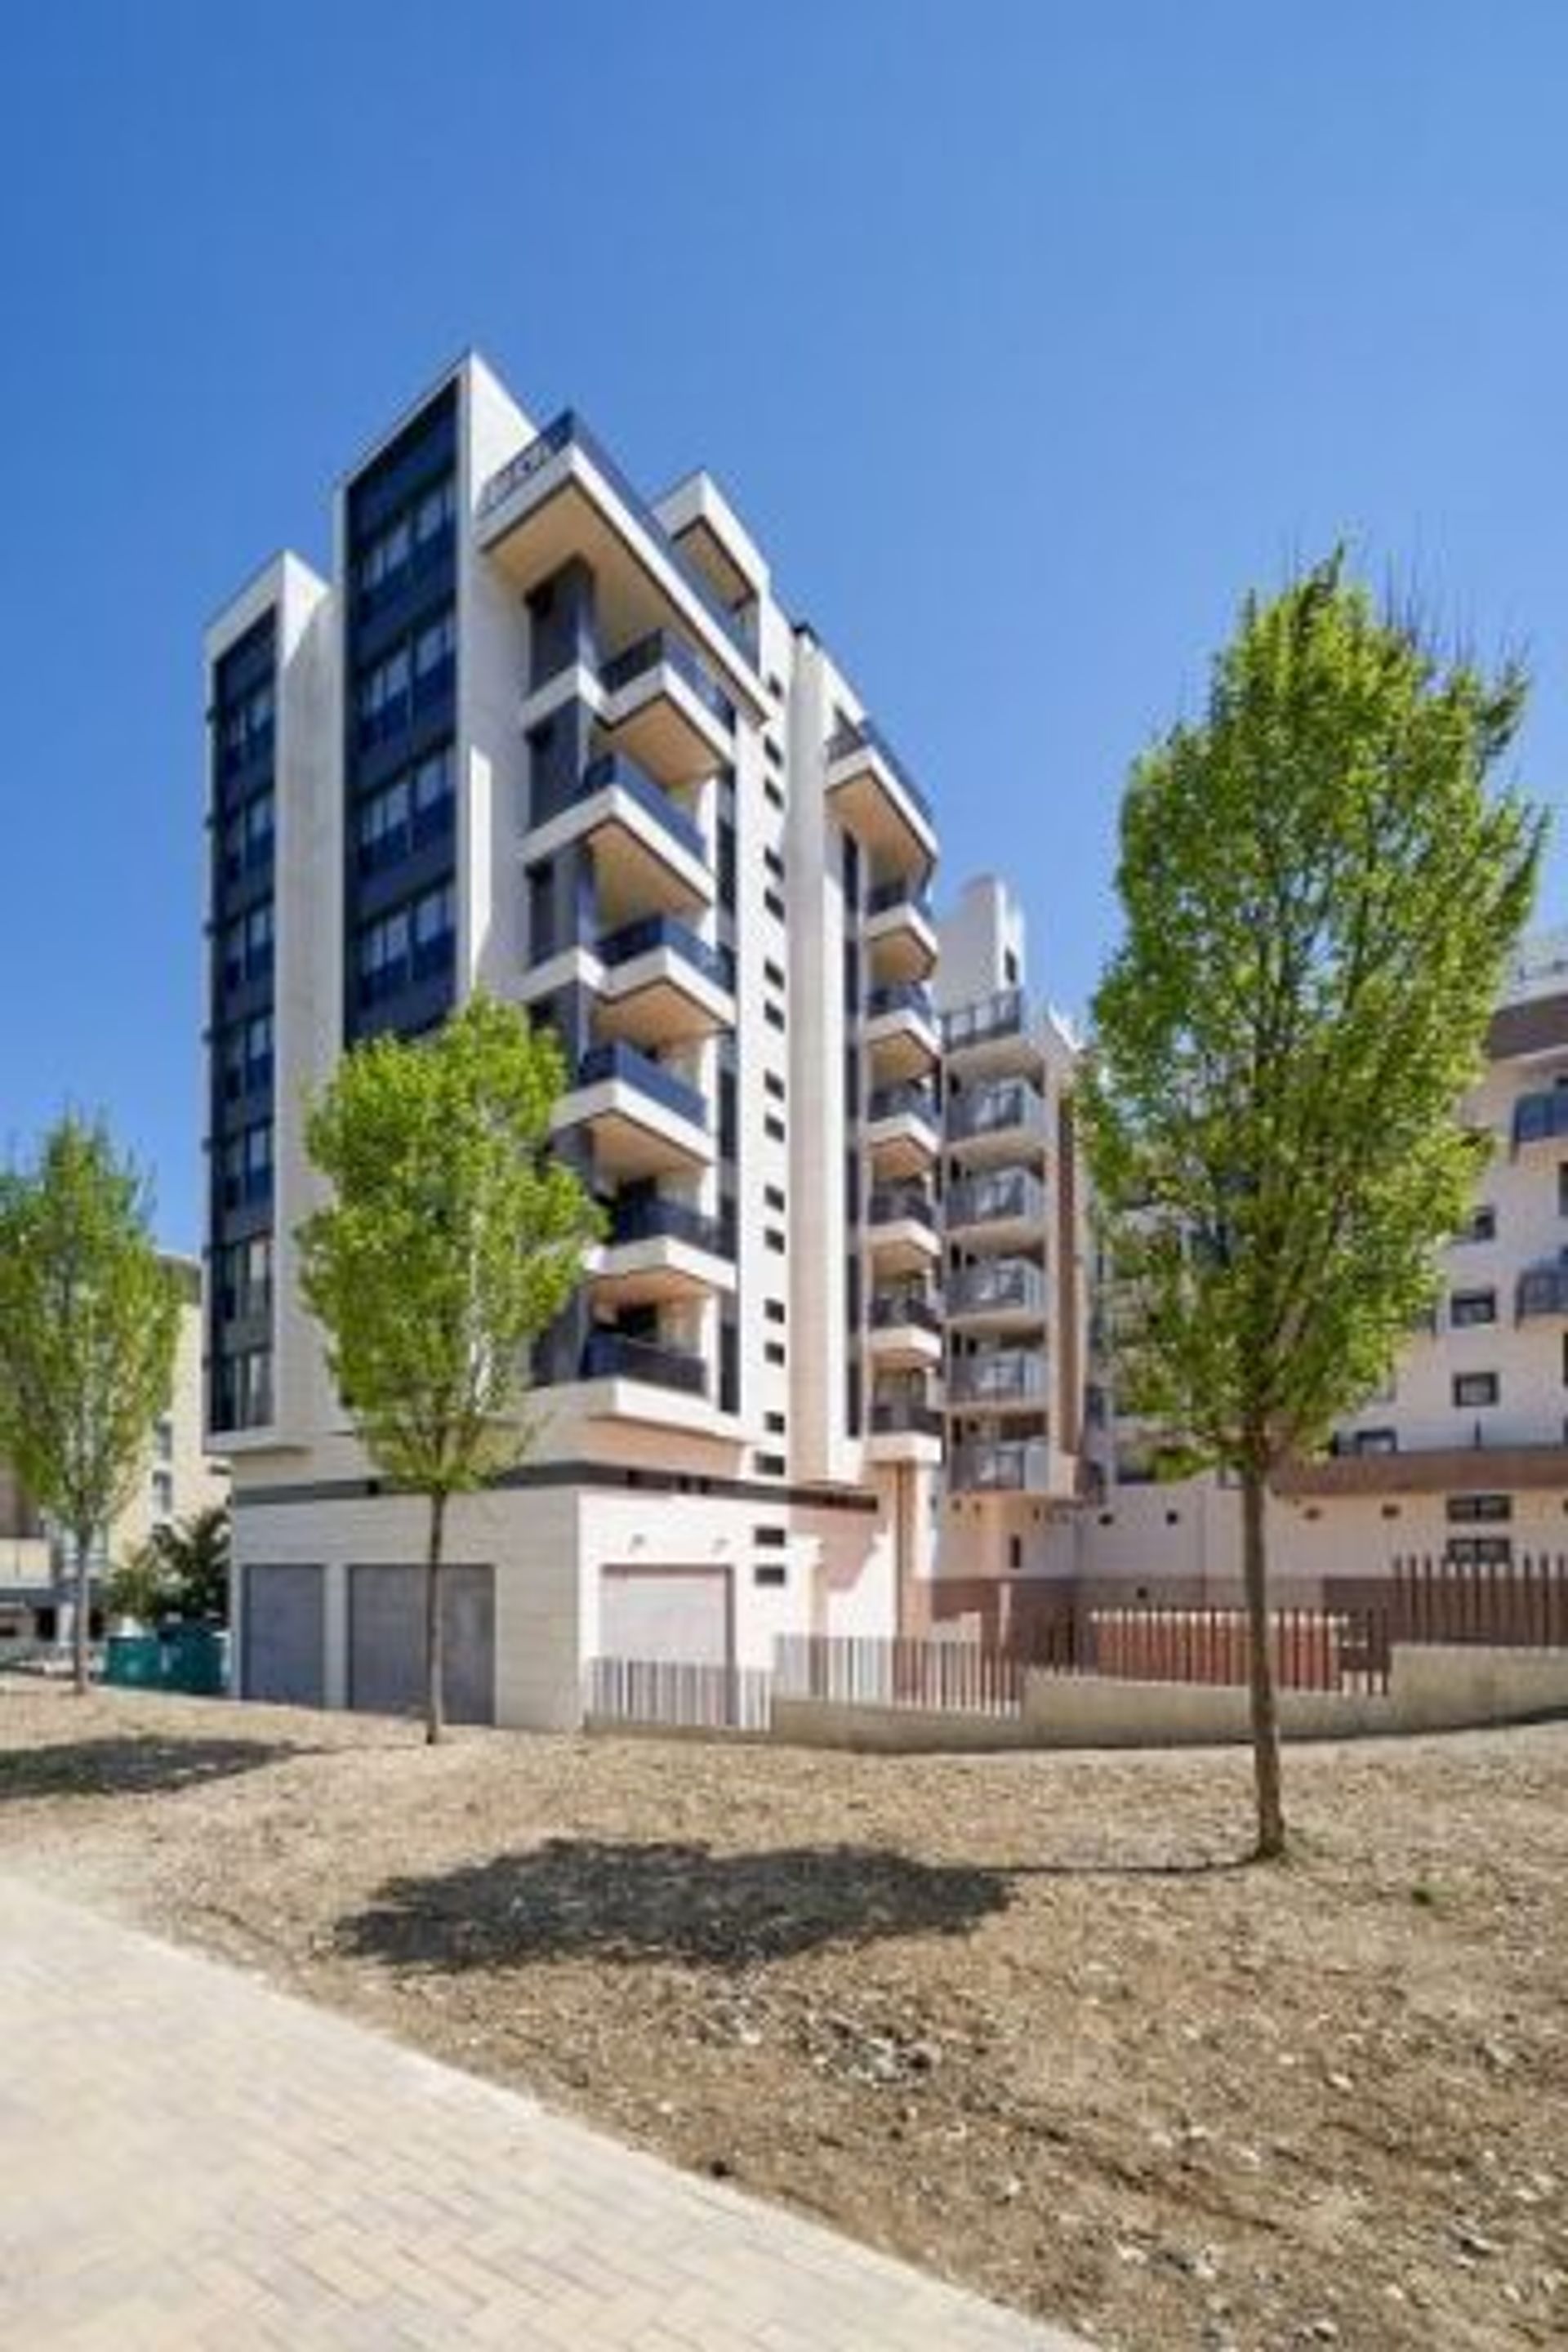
680,1614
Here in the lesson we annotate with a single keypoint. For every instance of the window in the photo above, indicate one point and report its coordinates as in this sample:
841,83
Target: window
774,864
1562,1188
245,1278
768,1465
775,1310
1467,1308
774,1014
774,1240
163,1438
1015,1551
726,841
770,1571
774,1196
1466,1509
382,829
1375,1441
1475,1388
774,973
775,905
774,1085
257,1143
382,696
771,1538
774,1352
775,1423
434,929
774,1129
1478,1551
434,792
770,751
162,1494
774,791
434,512
1481,1226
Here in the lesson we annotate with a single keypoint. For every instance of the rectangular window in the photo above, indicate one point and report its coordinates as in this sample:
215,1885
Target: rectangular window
773,1351
774,1196
1480,1551
1562,1188
1375,1441
1483,1226
768,1465
1464,1511
773,1240
1467,1308
1475,1388
775,1423
774,1129
775,905
775,1310
773,792
769,1538
770,1571
726,837
774,1014
774,973
774,1085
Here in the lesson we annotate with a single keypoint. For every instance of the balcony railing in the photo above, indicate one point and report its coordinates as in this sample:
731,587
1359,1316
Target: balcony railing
987,1110
1008,1376
899,996
869,737
901,1417
617,1059
900,892
1002,1466
894,1311
663,647
907,1101
610,768
1000,1283
890,1202
1540,1117
650,931
1542,1290
650,1217
612,1355
988,1200
568,430
1002,1016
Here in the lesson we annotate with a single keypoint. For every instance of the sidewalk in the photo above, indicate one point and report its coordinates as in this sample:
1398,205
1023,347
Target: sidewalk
190,2161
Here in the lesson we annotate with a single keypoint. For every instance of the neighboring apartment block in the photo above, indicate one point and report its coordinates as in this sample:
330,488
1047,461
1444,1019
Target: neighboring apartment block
1014,1237
1465,1454
541,735
178,1479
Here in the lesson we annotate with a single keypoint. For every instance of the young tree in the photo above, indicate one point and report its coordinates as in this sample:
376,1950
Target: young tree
1320,892
88,1319
452,1239
181,1570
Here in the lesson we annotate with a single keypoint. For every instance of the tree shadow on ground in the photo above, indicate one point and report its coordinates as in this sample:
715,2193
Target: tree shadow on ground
131,1767
578,1896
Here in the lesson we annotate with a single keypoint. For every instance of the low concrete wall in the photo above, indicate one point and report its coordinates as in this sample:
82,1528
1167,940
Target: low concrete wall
1443,1688
1097,1711
893,1730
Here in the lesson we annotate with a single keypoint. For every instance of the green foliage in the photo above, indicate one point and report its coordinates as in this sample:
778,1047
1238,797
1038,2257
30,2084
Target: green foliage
1320,894
452,1239
88,1319
138,1586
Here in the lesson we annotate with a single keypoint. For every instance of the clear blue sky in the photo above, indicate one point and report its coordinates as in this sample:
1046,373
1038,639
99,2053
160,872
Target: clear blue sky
1024,336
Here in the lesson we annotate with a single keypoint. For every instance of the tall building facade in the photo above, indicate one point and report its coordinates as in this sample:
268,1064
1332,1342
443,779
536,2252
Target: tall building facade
540,735
1464,1454
1014,1232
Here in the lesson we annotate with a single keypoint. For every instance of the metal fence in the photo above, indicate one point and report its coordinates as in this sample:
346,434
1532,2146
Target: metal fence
863,1670
679,1694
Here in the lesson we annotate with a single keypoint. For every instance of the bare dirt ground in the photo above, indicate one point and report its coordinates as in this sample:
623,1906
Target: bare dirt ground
1020,2019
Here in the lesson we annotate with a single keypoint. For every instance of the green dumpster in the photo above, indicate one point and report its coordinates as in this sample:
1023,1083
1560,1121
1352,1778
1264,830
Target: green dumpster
133,1661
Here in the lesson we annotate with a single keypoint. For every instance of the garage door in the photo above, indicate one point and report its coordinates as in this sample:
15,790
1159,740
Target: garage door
285,1634
386,1642
678,1613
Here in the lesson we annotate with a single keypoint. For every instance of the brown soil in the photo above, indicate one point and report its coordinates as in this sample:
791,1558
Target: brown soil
1020,2019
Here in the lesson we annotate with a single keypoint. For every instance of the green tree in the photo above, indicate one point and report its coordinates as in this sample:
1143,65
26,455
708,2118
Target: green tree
452,1239
88,1319
181,1570
1320,890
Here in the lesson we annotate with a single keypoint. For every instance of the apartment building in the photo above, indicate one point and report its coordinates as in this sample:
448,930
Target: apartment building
1015,1238
1464,1452
541,734
178,1479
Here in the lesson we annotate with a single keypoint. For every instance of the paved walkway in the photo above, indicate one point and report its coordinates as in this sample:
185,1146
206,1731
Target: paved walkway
188,2160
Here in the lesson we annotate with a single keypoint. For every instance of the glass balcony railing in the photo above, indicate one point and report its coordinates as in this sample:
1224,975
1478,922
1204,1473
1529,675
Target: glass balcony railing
1003,1375
663,647
1001,1015
1000,1284
897,1311
1542,1290
904,1416
1006,1194
568,430
652,1217
617,1059
990,1110
907,1101
715,963
869,737
889,1203
900,892
610,768
1006,1465
899,996
1540,1117
613,1355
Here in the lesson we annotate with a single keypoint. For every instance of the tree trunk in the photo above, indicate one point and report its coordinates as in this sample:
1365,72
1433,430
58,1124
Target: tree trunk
1270,1845
434,1660
83,1608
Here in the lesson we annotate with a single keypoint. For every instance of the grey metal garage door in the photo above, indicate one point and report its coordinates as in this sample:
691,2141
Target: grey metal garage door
386,1642
285,1634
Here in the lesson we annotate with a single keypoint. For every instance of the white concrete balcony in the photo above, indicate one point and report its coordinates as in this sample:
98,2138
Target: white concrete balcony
1002,1466
564,496
998,1120
625,1379
662,708
649,856
998,1210
660,985
901,1032
874,797
992,1037
900,931
904,1331
641,1118
903,1133
661,1249
901,1230
997,1381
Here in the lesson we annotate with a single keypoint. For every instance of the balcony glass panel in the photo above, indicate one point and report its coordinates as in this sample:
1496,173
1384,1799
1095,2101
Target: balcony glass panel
1000,1283
650,1217
1002,1016
662,647
1540,1117
869,737
889,1202
715,963
617,1059
985,1200
984,1110
908,1101
612,1355
610,768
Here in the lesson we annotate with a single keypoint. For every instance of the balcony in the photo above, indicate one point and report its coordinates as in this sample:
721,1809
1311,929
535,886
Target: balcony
874,797
901,1031
1000,1379
564,496
664,709
649,852
612,1355
994,1035
1001,1466
1540,1117
900,931
1003,1207
662,985
660,1247
905,1330
901,1129
1542,1291
642,1119
1000,1291
904,1429
903,1228
1005,1120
